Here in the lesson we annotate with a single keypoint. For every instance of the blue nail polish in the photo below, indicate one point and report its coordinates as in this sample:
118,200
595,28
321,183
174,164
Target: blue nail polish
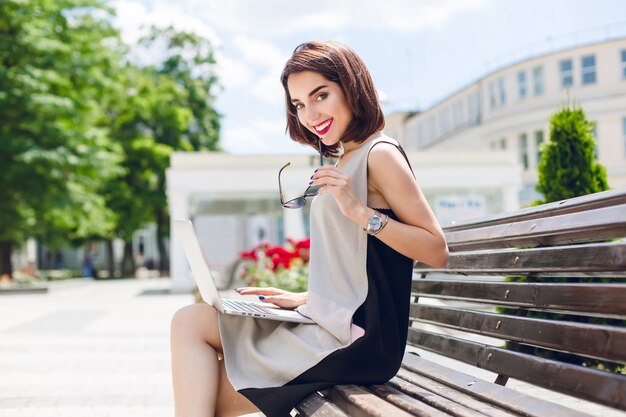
261,297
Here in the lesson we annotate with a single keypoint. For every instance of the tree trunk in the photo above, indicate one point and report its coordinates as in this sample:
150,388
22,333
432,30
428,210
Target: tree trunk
6,267
110,259
164,260
128,262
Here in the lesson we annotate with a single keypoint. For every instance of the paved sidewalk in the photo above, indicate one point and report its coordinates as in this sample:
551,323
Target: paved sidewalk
88,349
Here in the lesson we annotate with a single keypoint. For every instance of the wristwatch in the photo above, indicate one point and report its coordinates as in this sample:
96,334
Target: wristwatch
376,223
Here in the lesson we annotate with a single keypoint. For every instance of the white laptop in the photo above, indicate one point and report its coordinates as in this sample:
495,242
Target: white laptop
200,270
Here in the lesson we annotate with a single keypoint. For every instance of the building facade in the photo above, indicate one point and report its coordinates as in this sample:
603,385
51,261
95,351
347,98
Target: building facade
508,109
233,200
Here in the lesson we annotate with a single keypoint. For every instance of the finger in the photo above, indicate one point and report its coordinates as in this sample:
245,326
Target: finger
258,291
329,174
278,300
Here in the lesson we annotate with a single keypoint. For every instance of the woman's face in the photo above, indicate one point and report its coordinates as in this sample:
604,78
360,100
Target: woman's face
320,104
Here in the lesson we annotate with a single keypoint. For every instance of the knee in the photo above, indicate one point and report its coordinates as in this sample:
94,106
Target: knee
191,319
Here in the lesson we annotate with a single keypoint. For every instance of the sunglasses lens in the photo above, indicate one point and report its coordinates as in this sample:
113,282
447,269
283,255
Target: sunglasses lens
312,191
295,203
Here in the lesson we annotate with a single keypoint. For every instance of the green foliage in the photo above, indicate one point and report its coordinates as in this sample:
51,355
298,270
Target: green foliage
54,70
567,167
85,136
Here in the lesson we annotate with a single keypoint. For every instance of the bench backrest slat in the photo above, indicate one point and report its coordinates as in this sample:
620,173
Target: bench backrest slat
583,203
601,224
609,299
596,341
587,383
603,259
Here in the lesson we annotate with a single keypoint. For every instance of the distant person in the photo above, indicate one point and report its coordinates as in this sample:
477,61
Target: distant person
88,268
369,221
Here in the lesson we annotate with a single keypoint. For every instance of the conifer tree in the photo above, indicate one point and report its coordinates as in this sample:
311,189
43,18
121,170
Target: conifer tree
567,167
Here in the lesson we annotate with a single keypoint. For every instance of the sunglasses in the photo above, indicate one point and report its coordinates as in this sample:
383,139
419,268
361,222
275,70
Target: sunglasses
299,202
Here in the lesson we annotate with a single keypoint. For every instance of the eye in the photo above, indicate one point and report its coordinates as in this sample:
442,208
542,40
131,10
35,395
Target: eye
298,106
322,96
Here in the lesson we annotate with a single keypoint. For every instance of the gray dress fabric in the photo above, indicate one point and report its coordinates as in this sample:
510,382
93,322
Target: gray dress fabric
261,353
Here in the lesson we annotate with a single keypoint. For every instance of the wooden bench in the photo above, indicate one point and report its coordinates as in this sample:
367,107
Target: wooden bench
456,318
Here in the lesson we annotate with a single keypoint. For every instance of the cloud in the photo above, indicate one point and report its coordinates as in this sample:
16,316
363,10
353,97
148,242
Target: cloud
133,17
262,53
276,17
261,136
233,73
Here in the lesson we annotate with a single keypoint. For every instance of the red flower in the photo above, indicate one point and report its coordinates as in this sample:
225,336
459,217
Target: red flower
304,244
250,254
279,250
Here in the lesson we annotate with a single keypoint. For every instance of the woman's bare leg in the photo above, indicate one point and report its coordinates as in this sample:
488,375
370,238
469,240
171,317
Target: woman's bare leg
201,386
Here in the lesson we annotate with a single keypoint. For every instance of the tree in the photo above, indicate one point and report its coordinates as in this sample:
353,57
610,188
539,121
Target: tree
152,103
567,167
58,60
188,62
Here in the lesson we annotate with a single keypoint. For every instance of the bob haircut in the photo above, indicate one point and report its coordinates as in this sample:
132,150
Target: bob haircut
340,64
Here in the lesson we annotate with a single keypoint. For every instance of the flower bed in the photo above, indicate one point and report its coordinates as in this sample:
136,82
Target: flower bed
285,267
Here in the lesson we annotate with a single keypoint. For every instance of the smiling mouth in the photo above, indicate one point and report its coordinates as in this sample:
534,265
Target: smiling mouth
323,128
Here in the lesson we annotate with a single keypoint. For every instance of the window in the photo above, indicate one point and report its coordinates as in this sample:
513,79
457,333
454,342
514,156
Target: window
473,108
457,114
538,80
624,132
521,84
567,75
523,148
444,121
538,143
502,88
623,63
588,69
492,95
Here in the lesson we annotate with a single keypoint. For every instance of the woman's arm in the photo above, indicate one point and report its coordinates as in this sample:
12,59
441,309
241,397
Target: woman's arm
417,234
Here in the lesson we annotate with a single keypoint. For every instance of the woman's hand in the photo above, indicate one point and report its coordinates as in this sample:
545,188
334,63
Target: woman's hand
281,298
340,187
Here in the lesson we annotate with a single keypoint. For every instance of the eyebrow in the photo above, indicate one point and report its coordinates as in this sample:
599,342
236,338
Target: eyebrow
315,90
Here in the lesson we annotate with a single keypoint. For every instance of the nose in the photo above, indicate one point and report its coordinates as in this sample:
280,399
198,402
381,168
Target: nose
311,115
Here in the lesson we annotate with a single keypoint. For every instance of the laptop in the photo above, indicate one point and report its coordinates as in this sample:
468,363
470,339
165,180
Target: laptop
200,271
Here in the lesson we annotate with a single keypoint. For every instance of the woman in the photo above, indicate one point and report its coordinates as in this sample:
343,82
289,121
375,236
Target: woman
368,222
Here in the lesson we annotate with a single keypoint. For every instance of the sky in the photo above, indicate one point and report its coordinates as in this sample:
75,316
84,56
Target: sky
418,51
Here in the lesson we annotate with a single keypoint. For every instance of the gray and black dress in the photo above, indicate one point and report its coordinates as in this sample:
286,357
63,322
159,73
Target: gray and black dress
356,282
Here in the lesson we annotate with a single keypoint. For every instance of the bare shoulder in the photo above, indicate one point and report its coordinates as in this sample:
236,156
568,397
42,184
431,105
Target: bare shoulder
385,161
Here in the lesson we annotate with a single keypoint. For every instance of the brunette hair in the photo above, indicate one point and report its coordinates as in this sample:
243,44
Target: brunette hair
340,64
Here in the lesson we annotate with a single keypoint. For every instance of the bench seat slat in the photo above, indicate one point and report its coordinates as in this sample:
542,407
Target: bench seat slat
608,298
317,406
498,395
596,341
601,224
358,402
557,208
591,384
598,259
407,403
443,397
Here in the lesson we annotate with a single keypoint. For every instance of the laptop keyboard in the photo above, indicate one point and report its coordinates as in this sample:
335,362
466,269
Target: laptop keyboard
244,307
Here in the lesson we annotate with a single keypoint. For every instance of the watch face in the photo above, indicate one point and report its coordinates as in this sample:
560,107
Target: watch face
375,222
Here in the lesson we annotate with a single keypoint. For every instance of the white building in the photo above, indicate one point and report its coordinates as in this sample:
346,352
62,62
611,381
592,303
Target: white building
234,203
509,109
